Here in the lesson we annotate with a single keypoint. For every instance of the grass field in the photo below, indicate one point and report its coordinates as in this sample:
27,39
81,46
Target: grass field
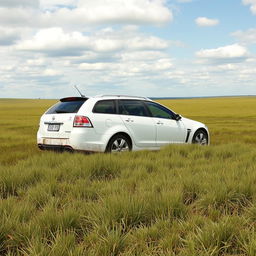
182,200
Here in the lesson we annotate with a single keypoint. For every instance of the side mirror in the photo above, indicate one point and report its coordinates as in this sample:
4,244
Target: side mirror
177,117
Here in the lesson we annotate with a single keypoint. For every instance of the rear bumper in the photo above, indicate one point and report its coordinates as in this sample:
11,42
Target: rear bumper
80,139
59,148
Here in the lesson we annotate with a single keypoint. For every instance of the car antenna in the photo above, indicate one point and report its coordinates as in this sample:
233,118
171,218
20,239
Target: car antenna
79,91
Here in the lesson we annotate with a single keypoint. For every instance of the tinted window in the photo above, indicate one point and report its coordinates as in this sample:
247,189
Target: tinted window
105,107
159,111
132,107
66,107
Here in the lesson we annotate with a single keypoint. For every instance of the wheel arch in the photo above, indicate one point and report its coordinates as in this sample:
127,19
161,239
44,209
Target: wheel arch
120,133
201,129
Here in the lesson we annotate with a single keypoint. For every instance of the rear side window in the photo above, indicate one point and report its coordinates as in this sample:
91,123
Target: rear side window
66,107
105,107
132,107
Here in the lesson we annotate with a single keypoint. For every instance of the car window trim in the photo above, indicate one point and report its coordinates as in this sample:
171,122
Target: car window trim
115,107
144,105
168,110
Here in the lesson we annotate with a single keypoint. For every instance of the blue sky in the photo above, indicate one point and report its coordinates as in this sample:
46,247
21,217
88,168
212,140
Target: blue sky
157,48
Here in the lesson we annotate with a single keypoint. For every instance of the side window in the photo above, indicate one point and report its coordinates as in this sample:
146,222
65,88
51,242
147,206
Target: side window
132,107
159,111
105,107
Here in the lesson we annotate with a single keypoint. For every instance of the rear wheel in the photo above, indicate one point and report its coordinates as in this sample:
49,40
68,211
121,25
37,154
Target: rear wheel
119,143
200,137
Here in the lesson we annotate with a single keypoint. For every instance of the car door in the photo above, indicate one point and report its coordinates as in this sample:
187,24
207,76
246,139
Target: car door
137,120
168,130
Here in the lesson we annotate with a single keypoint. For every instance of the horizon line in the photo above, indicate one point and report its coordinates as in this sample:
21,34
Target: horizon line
154,98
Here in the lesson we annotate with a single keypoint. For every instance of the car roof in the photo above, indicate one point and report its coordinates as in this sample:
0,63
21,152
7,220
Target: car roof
97,97
122,97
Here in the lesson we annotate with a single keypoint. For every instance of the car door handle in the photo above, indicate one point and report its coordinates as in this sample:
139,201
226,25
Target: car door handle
160,123
129,120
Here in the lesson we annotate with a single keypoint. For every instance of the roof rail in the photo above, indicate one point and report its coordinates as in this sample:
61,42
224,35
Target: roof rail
125,96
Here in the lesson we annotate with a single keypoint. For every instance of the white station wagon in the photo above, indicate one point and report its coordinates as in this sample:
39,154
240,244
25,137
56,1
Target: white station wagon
115,123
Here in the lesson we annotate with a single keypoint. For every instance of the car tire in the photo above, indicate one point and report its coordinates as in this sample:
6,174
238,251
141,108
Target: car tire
119,143
200,137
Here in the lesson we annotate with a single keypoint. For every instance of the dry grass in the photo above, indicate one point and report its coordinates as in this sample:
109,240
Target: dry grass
182,200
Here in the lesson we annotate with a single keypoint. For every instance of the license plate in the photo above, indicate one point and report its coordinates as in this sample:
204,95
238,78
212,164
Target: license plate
53,127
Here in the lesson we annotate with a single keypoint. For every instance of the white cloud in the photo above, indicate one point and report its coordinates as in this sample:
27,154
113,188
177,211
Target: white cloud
252,4
206,22
20,17
246,37
109,11
51,72
146,43
52,4
36,62
8,36
81,13
230,52
97,66
48,45
54,41
142,55
130,68
58,57
19,3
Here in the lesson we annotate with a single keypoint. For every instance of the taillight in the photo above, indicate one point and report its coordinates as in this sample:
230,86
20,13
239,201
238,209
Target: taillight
82,121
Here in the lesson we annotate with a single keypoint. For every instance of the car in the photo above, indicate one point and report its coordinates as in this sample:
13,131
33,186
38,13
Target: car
115,123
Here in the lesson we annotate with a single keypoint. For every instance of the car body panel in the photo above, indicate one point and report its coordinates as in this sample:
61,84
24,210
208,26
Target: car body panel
169,131
194,126
65,122
142,130
145,132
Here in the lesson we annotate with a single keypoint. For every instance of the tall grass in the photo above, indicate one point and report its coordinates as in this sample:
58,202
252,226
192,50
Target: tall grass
181,200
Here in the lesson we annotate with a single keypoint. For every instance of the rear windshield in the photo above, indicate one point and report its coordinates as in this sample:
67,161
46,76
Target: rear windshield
66,107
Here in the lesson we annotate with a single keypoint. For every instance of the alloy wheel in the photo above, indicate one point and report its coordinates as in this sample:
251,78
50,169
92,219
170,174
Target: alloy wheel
119,145
200,138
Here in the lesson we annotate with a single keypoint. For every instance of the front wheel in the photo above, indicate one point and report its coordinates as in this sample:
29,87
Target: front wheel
119,143
200,137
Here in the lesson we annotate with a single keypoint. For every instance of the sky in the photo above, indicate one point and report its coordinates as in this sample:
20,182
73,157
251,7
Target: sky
154,48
